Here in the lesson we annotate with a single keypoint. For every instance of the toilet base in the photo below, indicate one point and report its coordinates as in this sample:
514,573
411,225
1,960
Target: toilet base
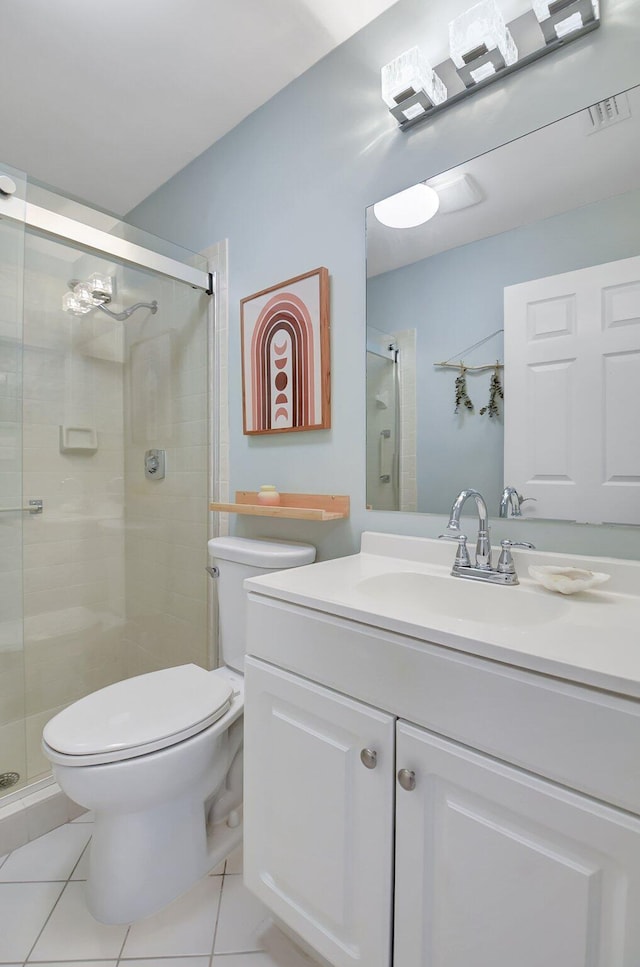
173,847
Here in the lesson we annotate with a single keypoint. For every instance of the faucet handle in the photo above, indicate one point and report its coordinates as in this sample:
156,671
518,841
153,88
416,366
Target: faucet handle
524,499
511,498
462,554
505,561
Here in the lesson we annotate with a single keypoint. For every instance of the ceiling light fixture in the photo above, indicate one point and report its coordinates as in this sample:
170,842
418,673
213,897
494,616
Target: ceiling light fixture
408,208
482,50
456,192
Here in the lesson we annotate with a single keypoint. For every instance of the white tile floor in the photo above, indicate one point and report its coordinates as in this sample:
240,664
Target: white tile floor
44,921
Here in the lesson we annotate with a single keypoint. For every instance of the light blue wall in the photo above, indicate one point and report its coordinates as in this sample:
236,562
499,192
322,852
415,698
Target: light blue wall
288,187
455,299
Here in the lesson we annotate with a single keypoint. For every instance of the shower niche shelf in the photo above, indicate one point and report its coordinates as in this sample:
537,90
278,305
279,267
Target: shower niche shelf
78,439
320,507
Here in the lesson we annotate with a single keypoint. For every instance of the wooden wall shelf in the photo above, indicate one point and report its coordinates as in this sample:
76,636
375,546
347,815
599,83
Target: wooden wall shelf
294,506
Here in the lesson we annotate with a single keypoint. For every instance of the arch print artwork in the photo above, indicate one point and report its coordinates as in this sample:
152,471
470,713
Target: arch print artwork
286,356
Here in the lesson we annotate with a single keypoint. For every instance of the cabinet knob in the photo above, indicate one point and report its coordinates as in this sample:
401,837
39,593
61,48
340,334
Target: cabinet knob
407,779
369,758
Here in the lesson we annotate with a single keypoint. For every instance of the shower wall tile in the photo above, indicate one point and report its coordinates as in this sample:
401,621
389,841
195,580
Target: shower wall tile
42,554
167,520
48,577
39,411
44,375
10,408
11,681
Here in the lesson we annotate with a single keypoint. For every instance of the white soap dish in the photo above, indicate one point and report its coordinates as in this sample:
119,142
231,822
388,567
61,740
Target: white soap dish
567,580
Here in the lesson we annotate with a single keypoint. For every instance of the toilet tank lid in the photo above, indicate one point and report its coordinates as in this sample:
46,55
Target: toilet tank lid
262,553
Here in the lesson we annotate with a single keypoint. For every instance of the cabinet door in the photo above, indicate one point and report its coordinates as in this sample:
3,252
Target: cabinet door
318,823
495,867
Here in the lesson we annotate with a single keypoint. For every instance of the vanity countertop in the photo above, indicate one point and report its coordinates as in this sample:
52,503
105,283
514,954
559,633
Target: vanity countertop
403,585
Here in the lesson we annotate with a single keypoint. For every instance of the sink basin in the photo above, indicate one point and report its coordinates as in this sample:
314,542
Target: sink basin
417,595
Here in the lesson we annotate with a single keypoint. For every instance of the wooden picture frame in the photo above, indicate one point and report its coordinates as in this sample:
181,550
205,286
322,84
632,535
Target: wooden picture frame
286,368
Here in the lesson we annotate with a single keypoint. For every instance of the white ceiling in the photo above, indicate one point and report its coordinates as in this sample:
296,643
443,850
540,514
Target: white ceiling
107,100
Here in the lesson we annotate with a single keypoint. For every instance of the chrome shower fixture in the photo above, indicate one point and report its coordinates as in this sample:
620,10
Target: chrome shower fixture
96,293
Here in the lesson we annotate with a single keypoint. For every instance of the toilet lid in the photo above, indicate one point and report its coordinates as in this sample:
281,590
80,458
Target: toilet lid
153,710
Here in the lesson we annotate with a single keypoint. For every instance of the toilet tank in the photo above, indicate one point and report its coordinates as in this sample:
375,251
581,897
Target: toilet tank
238,558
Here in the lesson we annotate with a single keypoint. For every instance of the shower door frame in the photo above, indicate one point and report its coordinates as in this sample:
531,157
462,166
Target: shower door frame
78,233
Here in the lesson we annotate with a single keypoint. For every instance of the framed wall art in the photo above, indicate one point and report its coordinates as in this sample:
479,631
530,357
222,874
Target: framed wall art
286,375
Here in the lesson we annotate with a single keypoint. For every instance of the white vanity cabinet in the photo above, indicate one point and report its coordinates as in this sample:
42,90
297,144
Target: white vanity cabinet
500,826
493,866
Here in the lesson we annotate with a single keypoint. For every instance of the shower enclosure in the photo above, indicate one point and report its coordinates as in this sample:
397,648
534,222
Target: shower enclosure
392,480
105,375
383,424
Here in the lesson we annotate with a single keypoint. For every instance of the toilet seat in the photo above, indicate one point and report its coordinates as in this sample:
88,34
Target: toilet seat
137,716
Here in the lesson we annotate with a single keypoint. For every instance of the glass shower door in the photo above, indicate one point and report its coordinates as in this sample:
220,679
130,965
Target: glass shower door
114,578
12,683
108,580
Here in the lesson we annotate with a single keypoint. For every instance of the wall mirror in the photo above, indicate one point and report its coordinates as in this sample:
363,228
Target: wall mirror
525,282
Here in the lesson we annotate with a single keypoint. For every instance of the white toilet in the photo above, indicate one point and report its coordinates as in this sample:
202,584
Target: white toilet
158,757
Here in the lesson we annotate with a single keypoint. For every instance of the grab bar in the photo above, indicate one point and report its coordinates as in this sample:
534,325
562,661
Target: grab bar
385,456
33,507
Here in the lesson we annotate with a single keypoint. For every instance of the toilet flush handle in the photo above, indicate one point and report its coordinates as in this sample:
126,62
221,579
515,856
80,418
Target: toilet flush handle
213,571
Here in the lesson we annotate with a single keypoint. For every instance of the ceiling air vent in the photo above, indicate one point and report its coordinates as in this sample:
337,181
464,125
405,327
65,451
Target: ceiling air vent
607,112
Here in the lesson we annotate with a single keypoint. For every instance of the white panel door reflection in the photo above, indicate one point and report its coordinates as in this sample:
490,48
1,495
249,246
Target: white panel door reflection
572,368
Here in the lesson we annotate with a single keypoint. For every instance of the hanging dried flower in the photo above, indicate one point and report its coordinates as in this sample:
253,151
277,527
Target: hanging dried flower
495,392
461,390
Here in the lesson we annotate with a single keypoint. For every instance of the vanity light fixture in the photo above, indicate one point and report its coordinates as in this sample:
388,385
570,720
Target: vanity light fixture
408,208
480,43
560,18
410,86
482,49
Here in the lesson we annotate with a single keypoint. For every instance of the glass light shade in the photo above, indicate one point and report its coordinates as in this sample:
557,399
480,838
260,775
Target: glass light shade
573,20
83,294
101,286
408,208
407,75
71,304
481,25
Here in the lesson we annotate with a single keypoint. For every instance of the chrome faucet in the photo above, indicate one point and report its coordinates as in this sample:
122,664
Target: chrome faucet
482,569
483,548
512,499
